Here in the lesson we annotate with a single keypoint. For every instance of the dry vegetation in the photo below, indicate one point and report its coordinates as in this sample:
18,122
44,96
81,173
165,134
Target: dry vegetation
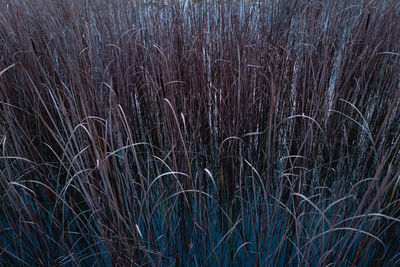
197,133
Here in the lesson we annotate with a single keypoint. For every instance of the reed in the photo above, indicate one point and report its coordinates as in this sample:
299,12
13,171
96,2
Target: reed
199,133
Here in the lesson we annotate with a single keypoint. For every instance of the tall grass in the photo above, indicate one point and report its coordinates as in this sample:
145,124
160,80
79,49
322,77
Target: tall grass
199,133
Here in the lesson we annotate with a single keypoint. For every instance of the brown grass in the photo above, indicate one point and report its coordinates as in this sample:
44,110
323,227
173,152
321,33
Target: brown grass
199,133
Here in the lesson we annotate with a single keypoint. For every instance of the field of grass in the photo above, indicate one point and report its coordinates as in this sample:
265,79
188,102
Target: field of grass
199,133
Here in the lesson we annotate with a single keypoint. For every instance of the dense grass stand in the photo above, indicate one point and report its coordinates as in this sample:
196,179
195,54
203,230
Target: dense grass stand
199,133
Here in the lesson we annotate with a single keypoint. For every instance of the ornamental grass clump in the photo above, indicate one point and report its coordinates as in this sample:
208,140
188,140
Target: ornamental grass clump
199,133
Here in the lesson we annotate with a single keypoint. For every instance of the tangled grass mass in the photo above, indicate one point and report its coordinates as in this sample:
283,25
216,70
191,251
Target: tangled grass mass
199,133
